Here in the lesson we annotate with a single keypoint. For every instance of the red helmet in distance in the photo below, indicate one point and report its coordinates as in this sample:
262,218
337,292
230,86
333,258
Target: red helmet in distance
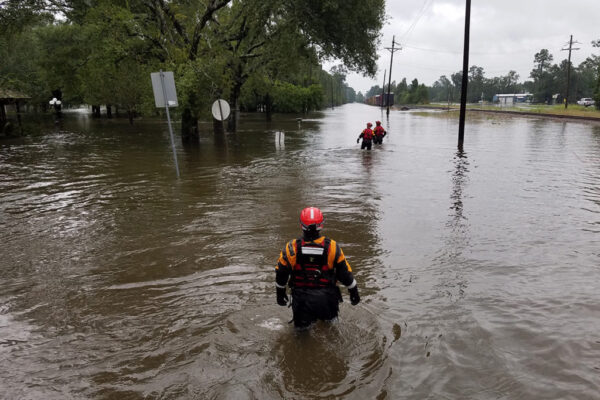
311,216
378,122
369,124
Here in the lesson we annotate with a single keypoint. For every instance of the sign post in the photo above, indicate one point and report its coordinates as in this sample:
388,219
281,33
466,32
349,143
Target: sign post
220,111
163,85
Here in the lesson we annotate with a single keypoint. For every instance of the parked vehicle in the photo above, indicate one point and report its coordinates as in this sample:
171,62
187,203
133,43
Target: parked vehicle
586,101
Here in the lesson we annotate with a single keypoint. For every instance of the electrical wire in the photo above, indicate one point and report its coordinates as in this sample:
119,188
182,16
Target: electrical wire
422,12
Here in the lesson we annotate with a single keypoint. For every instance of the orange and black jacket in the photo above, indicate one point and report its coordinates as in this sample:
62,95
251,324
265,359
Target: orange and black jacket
379,131
313,264
366,135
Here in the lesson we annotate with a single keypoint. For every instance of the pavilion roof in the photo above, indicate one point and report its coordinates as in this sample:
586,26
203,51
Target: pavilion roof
7,94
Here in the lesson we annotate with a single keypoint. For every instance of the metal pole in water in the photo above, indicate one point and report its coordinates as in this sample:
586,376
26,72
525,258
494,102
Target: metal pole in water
162,82
465,79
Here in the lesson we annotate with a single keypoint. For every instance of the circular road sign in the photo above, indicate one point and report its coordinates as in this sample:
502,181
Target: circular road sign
220,110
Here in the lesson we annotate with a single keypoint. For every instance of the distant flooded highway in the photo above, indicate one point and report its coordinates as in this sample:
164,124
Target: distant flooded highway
479,272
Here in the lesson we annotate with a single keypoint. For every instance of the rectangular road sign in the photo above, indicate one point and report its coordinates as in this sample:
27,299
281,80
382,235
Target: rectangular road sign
169,89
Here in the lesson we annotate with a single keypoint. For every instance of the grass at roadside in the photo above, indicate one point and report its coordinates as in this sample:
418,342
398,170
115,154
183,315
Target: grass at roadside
574,110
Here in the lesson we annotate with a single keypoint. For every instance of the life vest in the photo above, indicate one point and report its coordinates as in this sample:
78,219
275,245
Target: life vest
379,130
312,268
367,134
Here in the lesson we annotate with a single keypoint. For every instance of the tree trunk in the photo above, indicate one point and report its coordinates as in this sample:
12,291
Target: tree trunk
2,115
235,110
238,80
19,117
130,115
268,107
218,127
108,111
189,127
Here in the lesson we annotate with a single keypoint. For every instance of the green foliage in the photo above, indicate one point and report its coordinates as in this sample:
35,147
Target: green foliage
347,30
62,53
259,51
296,99
19,69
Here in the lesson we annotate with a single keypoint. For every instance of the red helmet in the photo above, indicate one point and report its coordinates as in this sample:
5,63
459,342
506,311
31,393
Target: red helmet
378,122
369,124
311,216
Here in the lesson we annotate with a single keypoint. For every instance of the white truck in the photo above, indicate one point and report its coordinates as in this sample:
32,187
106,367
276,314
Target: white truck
586,101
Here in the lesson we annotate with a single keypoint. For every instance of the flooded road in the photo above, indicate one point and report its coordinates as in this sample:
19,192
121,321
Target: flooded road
478,271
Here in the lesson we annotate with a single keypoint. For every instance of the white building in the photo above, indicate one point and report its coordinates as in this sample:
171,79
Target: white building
509,99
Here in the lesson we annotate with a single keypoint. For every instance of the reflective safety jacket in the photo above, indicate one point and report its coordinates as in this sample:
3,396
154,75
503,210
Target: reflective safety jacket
379,131
366,135
318,263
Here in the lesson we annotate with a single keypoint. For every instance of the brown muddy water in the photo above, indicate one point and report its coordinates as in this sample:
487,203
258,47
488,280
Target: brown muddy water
479,272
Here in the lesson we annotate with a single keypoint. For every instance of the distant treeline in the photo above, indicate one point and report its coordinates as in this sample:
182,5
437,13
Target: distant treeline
547,80
258,54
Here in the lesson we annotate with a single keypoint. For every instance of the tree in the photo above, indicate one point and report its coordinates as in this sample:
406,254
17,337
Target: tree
256,31
442,89
360,98
456,79
345,29
542,77
476,84
596,60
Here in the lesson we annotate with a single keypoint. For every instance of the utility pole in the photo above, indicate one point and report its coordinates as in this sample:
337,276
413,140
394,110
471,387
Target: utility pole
392,50
569,68
383,88
465,79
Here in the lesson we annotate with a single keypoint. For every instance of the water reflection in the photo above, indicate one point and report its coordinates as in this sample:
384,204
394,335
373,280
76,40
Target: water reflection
451,257
301,359
459,180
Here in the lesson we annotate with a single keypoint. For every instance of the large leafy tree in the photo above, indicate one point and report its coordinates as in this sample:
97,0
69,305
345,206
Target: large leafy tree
594,61
269,37
542,77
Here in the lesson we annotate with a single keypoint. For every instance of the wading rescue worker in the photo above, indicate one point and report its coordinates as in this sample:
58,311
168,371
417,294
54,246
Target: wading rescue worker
366,135
379,133
311,266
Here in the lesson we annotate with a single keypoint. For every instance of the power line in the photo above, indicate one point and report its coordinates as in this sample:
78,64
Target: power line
426,5
473,52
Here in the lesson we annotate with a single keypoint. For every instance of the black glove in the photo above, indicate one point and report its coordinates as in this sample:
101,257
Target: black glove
282,298
357,140
354,297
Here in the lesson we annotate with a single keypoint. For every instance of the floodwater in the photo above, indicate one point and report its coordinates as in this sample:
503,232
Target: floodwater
479,272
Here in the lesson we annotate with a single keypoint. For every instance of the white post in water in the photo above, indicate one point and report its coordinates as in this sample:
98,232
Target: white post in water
165,95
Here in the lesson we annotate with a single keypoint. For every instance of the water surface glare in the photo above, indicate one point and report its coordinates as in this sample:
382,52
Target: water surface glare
478,271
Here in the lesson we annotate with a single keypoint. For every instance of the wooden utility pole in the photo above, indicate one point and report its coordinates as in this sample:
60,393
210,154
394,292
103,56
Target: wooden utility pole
383,88
569,69
465,79
392,50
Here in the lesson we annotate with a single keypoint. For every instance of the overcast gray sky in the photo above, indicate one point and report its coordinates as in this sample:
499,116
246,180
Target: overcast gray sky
505,35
